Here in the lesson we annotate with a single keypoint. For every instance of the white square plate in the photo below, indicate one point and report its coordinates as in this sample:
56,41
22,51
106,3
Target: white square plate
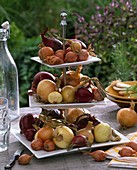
34,103
43,154
90,60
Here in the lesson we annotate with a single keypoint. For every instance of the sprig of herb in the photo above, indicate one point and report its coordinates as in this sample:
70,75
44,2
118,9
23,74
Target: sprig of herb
132,88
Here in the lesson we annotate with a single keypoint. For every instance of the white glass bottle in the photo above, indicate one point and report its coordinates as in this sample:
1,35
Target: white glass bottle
9,87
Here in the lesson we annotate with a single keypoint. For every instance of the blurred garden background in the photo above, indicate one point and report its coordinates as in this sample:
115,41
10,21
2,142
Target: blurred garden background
110,26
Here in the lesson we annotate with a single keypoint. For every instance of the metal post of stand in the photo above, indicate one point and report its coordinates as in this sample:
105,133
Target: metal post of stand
63,24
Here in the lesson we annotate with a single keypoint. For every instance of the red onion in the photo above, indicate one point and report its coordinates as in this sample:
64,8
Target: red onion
83,95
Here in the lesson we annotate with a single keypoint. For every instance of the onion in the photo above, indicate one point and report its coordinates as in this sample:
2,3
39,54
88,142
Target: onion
60,54
83,95
83,55
44,88
44,133
30,133
127,117
37,144
78,93
73,114
132,144
98,155
75,46
127,151
55,97
24,159
88,133
70,57
73,78
68,94
49,145
63,136
26,122
68,42
44,52
102,132
51,41
79,141
42,75
97,95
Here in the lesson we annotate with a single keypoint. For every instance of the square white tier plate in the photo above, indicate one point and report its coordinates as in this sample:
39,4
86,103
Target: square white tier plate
43,154
90,60
34,103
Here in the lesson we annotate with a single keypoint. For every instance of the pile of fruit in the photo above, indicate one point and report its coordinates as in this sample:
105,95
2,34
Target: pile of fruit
51,51
54,129
78,89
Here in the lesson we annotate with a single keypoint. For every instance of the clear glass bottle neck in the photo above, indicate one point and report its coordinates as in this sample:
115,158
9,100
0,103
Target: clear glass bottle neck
4,34
3,43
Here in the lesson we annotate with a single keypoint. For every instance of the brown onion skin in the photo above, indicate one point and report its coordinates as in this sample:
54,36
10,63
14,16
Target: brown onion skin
53,60
83,55
60,54
44,52
68,49
127,151
49,145
37,144
44,88
97,95
132,144
127,117
98,155
70,57
76,40
71,79
24,159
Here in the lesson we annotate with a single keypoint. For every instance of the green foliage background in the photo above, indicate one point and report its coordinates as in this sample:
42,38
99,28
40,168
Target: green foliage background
29,18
